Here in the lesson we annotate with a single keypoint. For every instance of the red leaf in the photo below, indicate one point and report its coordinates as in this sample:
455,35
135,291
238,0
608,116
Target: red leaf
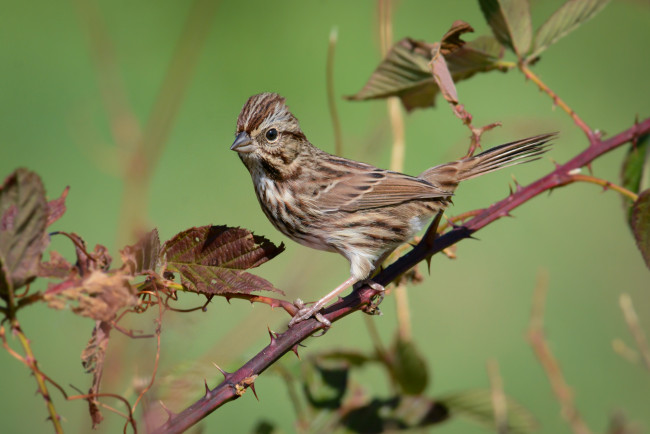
56,208
211,259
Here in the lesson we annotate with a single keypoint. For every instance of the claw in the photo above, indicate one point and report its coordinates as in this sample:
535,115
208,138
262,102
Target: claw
304,313
374,285
372,308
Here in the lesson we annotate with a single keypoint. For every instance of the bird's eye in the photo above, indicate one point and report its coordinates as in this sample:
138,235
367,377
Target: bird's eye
272,135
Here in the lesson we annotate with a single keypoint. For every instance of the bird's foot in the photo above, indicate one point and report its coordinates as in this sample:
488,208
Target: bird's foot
372,308
306,312
371,283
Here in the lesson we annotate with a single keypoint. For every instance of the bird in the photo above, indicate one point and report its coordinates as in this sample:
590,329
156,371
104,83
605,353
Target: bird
335,204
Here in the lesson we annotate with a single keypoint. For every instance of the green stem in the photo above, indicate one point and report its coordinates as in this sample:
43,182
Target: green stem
30,361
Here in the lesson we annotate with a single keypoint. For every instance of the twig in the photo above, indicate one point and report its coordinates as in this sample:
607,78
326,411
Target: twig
632,320
331,99
32,364
499,403
558,101
560,176
606,185
273,302
538,342
129,418
157,359
458,218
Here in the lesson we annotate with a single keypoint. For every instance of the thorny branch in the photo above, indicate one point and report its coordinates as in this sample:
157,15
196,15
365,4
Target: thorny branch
235,383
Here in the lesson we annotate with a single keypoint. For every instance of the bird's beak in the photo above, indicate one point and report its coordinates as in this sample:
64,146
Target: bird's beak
243,143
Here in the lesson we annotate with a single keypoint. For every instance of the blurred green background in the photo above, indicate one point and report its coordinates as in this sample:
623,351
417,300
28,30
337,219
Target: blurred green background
54,121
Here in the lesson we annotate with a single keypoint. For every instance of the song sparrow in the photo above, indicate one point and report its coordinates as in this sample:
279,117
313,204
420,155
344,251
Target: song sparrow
339,205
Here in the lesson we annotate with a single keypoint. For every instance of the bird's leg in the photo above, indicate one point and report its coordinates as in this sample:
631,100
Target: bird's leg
307,312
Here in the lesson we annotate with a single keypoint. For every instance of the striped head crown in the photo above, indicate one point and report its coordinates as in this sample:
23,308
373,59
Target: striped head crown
264,110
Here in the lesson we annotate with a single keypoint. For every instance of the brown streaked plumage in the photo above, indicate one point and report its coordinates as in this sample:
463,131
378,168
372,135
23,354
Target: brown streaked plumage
339,205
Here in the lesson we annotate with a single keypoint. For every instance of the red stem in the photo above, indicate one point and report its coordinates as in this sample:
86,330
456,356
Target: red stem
233,385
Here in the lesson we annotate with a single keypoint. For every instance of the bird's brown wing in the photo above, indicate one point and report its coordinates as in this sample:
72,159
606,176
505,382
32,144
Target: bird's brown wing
376,188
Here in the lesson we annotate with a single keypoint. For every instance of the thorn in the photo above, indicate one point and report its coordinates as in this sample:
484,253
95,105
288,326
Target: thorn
555,163
252,386
472,237
510,188
272,334
170,413
295,350
207,389
226,375
591,172
428,259
516,183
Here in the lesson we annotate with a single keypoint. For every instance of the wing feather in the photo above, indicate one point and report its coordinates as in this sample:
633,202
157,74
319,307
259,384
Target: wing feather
359,190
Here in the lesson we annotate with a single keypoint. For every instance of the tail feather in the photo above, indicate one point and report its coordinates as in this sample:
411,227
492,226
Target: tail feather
517,152
509,154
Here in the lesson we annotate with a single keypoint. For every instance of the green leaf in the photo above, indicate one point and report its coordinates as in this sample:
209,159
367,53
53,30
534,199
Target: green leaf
405,72
510,23
563,21
393,414
211,259
635,173
409,367
325,382
351,357
640,223
23,219
264,427
477,406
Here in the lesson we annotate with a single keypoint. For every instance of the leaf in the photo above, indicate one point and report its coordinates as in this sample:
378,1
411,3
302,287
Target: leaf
57,267
409,367
143,256
353,358
477,406
211,259
442,76
640,223
99,295
23,219
563,21
56,208
325,382
635,173
88,262
393,414
405,71
92,359
510,23
265,427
